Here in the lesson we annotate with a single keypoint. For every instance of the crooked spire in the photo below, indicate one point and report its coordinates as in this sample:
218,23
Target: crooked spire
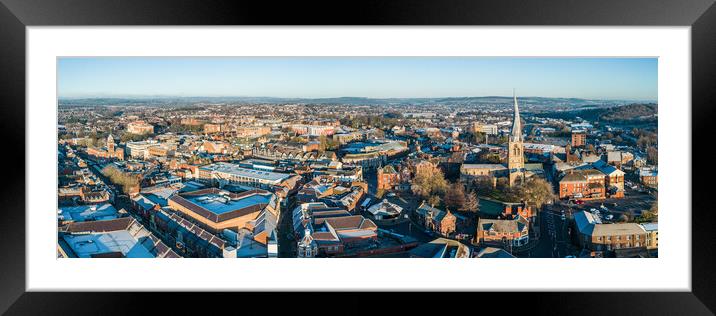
516,123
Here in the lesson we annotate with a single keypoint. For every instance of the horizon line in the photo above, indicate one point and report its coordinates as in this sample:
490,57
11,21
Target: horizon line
140,96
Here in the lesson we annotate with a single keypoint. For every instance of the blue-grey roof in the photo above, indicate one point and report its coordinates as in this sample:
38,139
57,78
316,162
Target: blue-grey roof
236,170
87,213
649,227
220,203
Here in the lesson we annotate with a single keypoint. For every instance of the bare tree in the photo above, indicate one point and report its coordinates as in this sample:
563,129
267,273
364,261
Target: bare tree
455,196
471,202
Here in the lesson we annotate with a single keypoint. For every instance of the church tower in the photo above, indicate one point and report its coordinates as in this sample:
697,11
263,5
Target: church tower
110,144
515,153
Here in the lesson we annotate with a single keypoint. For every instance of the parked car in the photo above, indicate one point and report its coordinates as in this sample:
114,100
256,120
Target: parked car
579,202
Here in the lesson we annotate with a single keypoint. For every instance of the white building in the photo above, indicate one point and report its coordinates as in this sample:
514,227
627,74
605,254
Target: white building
140,149
228,173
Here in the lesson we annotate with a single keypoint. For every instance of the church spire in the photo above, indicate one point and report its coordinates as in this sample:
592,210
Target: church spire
516,123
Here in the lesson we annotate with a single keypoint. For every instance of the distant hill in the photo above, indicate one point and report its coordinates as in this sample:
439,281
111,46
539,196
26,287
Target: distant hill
630,113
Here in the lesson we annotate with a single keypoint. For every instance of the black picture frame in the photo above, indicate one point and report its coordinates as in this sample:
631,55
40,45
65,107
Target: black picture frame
16,15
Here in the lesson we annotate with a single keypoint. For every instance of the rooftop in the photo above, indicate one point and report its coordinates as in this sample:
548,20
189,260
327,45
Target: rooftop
220,205
589,224
116,238
441,248
492,252
491,166
87,213
236,170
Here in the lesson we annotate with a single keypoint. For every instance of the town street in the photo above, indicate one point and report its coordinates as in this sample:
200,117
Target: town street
554,240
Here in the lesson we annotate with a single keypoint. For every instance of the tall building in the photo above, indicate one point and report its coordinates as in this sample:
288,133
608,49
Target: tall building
515,149
579,138
110,143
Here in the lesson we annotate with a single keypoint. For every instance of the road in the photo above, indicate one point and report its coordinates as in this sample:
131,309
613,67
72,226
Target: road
287,244
555,237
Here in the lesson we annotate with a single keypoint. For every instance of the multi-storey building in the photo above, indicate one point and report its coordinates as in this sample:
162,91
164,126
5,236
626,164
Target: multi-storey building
503,232
583,184
324,231
594,235
649,176
223,173
140,128
141,149
652,235
579,138
252,131
437,220
388,178
215,210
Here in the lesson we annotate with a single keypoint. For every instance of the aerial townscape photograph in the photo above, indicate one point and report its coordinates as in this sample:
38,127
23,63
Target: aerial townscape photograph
357,157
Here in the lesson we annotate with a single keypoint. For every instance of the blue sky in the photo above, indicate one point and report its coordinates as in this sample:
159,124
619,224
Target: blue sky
375,77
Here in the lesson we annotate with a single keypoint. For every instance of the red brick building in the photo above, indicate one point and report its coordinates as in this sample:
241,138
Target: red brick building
583,184
579,138
504,232
108,152
388,178
437,220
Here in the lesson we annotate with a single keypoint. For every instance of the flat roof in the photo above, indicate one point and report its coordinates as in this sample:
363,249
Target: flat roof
221,203
234,169
87,212
89,245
